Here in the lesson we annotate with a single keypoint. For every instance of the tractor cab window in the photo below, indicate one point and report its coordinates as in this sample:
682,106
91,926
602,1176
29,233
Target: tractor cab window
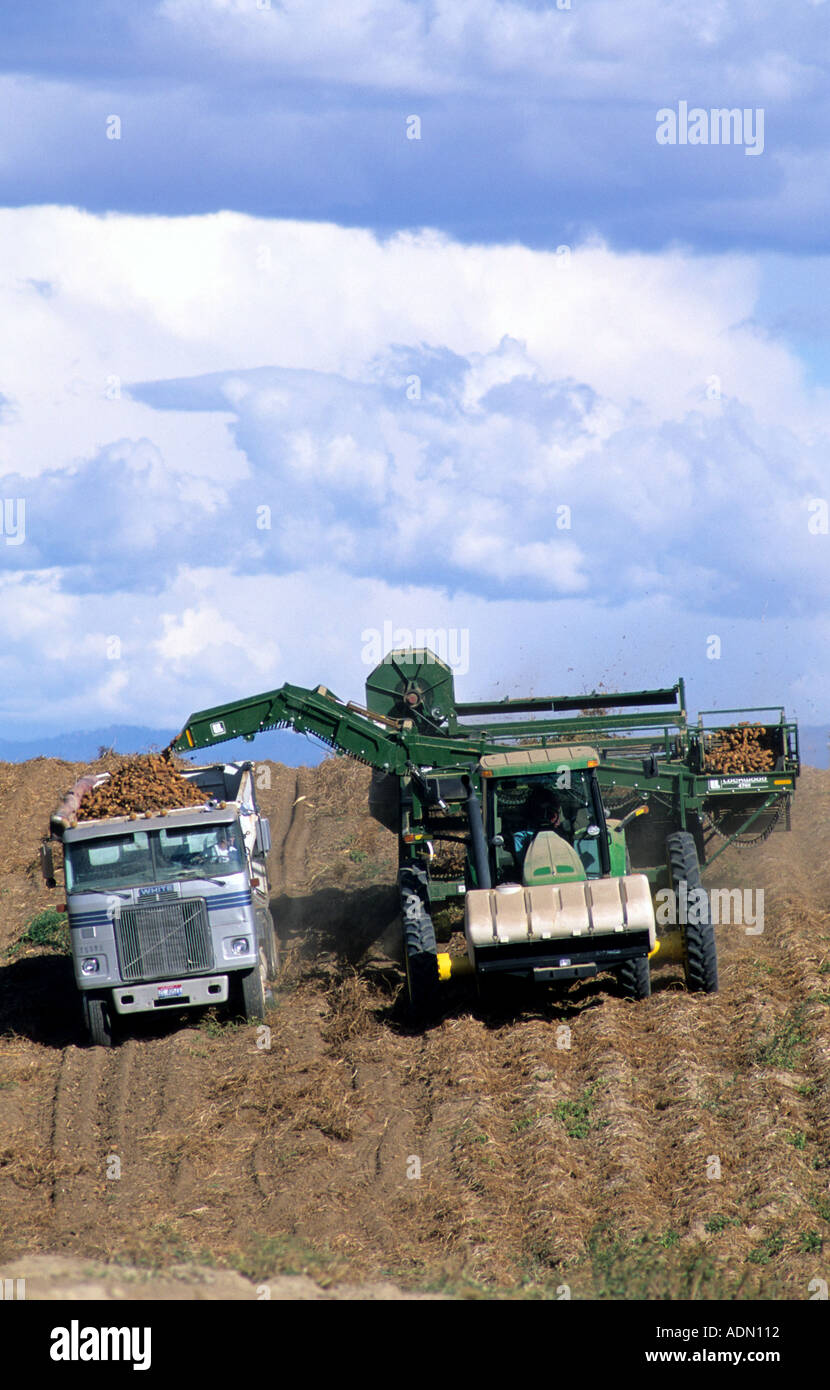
524,806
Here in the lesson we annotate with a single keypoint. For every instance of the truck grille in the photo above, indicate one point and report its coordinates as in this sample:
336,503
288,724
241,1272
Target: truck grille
163,939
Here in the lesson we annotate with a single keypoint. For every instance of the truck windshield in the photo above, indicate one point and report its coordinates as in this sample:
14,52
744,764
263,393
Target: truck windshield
197,851
158,856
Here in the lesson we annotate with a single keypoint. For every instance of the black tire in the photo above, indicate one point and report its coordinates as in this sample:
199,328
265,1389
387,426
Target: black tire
420,952
99,1020
700,957
250,994
635,978
269,942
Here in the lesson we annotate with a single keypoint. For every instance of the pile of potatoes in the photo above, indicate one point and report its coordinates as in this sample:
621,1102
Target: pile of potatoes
143,785
738,749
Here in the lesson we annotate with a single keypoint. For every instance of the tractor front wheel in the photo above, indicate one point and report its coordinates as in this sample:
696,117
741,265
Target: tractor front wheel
635,978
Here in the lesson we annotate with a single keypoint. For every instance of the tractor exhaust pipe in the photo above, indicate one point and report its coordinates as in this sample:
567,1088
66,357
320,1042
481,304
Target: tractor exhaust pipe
479,844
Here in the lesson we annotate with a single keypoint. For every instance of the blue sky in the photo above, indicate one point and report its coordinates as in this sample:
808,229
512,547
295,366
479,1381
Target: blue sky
274,375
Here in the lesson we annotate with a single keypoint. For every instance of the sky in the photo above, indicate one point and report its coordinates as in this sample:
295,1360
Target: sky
326,325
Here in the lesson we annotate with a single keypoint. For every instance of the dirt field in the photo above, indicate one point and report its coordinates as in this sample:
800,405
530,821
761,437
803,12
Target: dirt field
572,1141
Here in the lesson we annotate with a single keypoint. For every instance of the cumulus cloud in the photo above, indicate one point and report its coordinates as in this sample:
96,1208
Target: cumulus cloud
452,44
335,434
316,626
188,636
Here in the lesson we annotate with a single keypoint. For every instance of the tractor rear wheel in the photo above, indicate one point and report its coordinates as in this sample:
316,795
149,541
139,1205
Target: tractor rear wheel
420,951
700,957
635,978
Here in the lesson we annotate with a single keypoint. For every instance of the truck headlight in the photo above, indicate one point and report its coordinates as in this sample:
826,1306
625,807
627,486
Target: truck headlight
90,965
241,946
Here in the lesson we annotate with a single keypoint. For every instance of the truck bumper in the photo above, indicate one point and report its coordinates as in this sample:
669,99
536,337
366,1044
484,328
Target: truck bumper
164,994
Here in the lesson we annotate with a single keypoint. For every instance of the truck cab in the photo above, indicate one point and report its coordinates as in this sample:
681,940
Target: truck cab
171,910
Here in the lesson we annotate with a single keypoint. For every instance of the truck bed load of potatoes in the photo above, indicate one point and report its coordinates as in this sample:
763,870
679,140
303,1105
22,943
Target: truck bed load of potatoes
143,784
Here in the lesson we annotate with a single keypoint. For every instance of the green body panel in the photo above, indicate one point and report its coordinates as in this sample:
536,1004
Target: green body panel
551,860
617,851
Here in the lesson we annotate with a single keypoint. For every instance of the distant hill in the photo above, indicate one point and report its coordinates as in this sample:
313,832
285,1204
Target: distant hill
280,745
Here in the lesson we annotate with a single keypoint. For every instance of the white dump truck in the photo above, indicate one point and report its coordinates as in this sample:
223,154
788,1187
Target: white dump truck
168,910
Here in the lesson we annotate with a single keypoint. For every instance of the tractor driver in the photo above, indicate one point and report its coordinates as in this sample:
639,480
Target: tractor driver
544,812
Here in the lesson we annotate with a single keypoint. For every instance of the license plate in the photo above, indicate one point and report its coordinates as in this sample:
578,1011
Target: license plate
170,991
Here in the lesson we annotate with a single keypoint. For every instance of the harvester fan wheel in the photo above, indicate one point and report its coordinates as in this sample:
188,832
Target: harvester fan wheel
700,958
635,978
98,1018
419,948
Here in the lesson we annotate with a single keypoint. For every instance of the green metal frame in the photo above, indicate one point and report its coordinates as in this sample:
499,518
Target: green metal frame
656,755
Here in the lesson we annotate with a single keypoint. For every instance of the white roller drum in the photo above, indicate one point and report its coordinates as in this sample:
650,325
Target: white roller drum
510,913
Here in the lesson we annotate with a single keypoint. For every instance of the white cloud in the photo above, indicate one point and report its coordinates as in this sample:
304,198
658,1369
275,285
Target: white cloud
308,628
205,631
486,554
462,45
535,119
541,386
148,298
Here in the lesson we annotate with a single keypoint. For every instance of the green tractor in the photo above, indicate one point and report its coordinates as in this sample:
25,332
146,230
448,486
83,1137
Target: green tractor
548,895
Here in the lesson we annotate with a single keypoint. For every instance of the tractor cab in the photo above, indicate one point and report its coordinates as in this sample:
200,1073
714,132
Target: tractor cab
544,819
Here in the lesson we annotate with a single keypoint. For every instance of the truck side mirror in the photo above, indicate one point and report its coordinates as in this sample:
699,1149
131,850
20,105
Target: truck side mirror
263,835
47,866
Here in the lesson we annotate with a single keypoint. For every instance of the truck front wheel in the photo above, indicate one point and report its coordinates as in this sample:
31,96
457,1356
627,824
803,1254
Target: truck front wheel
250,994
269,942
98,1020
